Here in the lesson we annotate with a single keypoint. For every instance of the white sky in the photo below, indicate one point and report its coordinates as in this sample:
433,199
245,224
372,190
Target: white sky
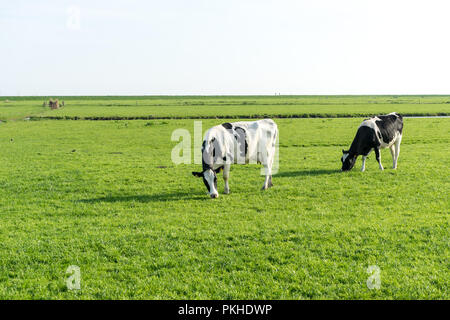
224,47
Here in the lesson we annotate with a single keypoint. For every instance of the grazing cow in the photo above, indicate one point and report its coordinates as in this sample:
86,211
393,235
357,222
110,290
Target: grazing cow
375,133
237,142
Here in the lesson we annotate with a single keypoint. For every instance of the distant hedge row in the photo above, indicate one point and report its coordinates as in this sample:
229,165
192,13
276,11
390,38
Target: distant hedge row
253,116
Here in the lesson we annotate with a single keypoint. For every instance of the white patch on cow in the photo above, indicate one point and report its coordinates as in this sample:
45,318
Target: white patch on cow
397,150
363,168
345,156
209,177
373,125
226,175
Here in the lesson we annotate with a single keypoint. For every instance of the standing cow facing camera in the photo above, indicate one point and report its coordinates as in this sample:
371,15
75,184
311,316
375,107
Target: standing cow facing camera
375,133
238,142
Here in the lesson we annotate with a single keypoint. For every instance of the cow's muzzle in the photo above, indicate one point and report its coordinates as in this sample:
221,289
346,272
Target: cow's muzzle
214,195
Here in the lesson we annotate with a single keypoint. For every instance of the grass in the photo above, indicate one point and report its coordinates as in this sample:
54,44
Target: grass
105,196
149,107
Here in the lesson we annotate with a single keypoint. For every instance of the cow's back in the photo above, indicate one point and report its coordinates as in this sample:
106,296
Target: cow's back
387,128
260,134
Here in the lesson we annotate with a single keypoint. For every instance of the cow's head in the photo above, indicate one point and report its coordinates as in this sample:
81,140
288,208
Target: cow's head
210,180
348,161
208,174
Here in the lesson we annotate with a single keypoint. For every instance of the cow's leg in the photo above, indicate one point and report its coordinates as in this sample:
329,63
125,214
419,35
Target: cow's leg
226,175
397,150
363,163
378,156
268,179
392,148
270,159
267,162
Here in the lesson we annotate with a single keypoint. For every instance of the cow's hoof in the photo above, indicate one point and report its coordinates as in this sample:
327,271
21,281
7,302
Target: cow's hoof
264,188
226,192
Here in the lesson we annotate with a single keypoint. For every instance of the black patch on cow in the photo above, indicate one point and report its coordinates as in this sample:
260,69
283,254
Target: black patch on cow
364,141
388,126
227,125
241,136
213,147
203,145
206,184
208,159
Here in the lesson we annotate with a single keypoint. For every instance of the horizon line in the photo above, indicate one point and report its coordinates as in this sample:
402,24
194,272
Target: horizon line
224,95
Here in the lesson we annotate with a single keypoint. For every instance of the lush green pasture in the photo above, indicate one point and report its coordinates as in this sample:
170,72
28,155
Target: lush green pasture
105,196
223,107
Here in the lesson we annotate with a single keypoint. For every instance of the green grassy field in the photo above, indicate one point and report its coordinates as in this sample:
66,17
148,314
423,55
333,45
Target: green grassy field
148,107
105,196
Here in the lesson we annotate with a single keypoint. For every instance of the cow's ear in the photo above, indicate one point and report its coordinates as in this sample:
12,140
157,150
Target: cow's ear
343,151
197,174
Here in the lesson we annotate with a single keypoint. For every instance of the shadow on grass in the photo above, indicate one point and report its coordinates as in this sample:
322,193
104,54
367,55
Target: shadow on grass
314,172
145,198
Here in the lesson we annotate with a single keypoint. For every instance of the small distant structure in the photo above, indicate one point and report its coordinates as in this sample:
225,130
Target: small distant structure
53,104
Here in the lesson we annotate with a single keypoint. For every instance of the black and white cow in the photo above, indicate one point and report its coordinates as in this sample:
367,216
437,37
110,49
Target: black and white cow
375,133
237,142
